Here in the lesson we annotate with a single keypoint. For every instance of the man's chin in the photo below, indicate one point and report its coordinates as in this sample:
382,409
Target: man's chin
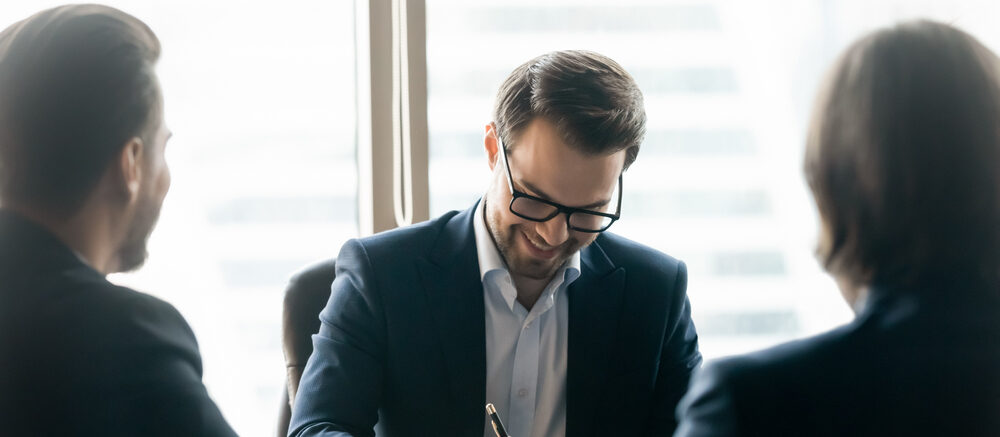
133,254
535,269
132,260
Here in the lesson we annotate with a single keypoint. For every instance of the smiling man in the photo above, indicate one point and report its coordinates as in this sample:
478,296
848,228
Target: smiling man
523,300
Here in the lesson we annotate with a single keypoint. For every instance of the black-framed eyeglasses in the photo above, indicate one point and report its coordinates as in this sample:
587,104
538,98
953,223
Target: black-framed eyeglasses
537,209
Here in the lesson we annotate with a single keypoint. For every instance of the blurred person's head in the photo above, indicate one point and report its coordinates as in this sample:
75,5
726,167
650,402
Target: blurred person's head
571,122
82,135
903,159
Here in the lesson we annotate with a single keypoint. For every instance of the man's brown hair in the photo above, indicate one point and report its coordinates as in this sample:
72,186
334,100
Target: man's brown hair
76,83
903,159
593,102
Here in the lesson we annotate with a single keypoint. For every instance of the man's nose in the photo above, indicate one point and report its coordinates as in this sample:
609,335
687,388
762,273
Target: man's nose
554,231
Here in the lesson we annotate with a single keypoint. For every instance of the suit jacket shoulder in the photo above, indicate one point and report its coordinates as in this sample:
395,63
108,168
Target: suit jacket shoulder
766,392
638,259
104,359
407,242
634,253
908,365
152,364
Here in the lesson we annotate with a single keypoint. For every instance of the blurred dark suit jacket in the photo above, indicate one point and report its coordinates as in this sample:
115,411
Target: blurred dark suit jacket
80,356
913,363
403,339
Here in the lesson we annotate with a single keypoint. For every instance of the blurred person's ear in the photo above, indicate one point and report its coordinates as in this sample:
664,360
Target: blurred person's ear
130,168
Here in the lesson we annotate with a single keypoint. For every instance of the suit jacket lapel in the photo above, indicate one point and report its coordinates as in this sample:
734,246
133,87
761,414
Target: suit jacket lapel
595,306
450,277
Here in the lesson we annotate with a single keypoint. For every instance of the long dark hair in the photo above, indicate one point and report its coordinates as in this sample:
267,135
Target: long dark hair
903,159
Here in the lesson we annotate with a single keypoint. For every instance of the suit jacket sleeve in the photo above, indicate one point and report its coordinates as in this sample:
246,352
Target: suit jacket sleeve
156,366
679,359
341,388
708,409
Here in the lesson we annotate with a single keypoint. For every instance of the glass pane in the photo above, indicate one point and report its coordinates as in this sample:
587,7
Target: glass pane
728,89
260,97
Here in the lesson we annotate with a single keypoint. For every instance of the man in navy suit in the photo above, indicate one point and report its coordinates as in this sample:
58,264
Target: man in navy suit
522,300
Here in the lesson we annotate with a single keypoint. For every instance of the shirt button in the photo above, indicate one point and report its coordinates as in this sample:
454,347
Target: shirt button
522,392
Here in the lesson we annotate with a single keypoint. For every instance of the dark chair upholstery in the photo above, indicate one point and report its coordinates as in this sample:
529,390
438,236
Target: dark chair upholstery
305,297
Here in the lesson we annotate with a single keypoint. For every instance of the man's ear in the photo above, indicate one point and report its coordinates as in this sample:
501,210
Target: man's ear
490,143
130,167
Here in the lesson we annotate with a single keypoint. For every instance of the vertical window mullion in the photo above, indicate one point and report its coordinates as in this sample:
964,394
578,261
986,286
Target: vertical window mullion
392,114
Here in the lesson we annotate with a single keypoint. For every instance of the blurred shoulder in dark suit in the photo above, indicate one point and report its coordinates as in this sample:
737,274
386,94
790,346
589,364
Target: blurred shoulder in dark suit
903,159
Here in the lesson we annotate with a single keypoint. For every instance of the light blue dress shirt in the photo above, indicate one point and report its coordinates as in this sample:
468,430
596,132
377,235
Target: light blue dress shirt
525,350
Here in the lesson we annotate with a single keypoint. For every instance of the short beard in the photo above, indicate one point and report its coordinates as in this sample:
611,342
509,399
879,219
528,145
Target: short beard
132,253
505,240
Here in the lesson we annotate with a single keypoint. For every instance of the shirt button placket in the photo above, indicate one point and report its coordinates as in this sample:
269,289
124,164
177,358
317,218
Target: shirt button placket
525,381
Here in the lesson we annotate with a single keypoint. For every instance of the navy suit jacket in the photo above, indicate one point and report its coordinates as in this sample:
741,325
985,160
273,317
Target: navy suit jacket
80,356
401,350
913,363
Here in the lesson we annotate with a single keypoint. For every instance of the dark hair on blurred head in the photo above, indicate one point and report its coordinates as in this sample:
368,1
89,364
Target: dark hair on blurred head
76,83
593,102
903,159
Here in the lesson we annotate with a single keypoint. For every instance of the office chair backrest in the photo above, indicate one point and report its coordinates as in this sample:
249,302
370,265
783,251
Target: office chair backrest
305,296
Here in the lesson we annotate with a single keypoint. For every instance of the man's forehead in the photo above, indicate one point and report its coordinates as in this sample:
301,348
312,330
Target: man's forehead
547,157
567,186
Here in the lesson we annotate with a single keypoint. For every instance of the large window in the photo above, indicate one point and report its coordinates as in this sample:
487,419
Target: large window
728,89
